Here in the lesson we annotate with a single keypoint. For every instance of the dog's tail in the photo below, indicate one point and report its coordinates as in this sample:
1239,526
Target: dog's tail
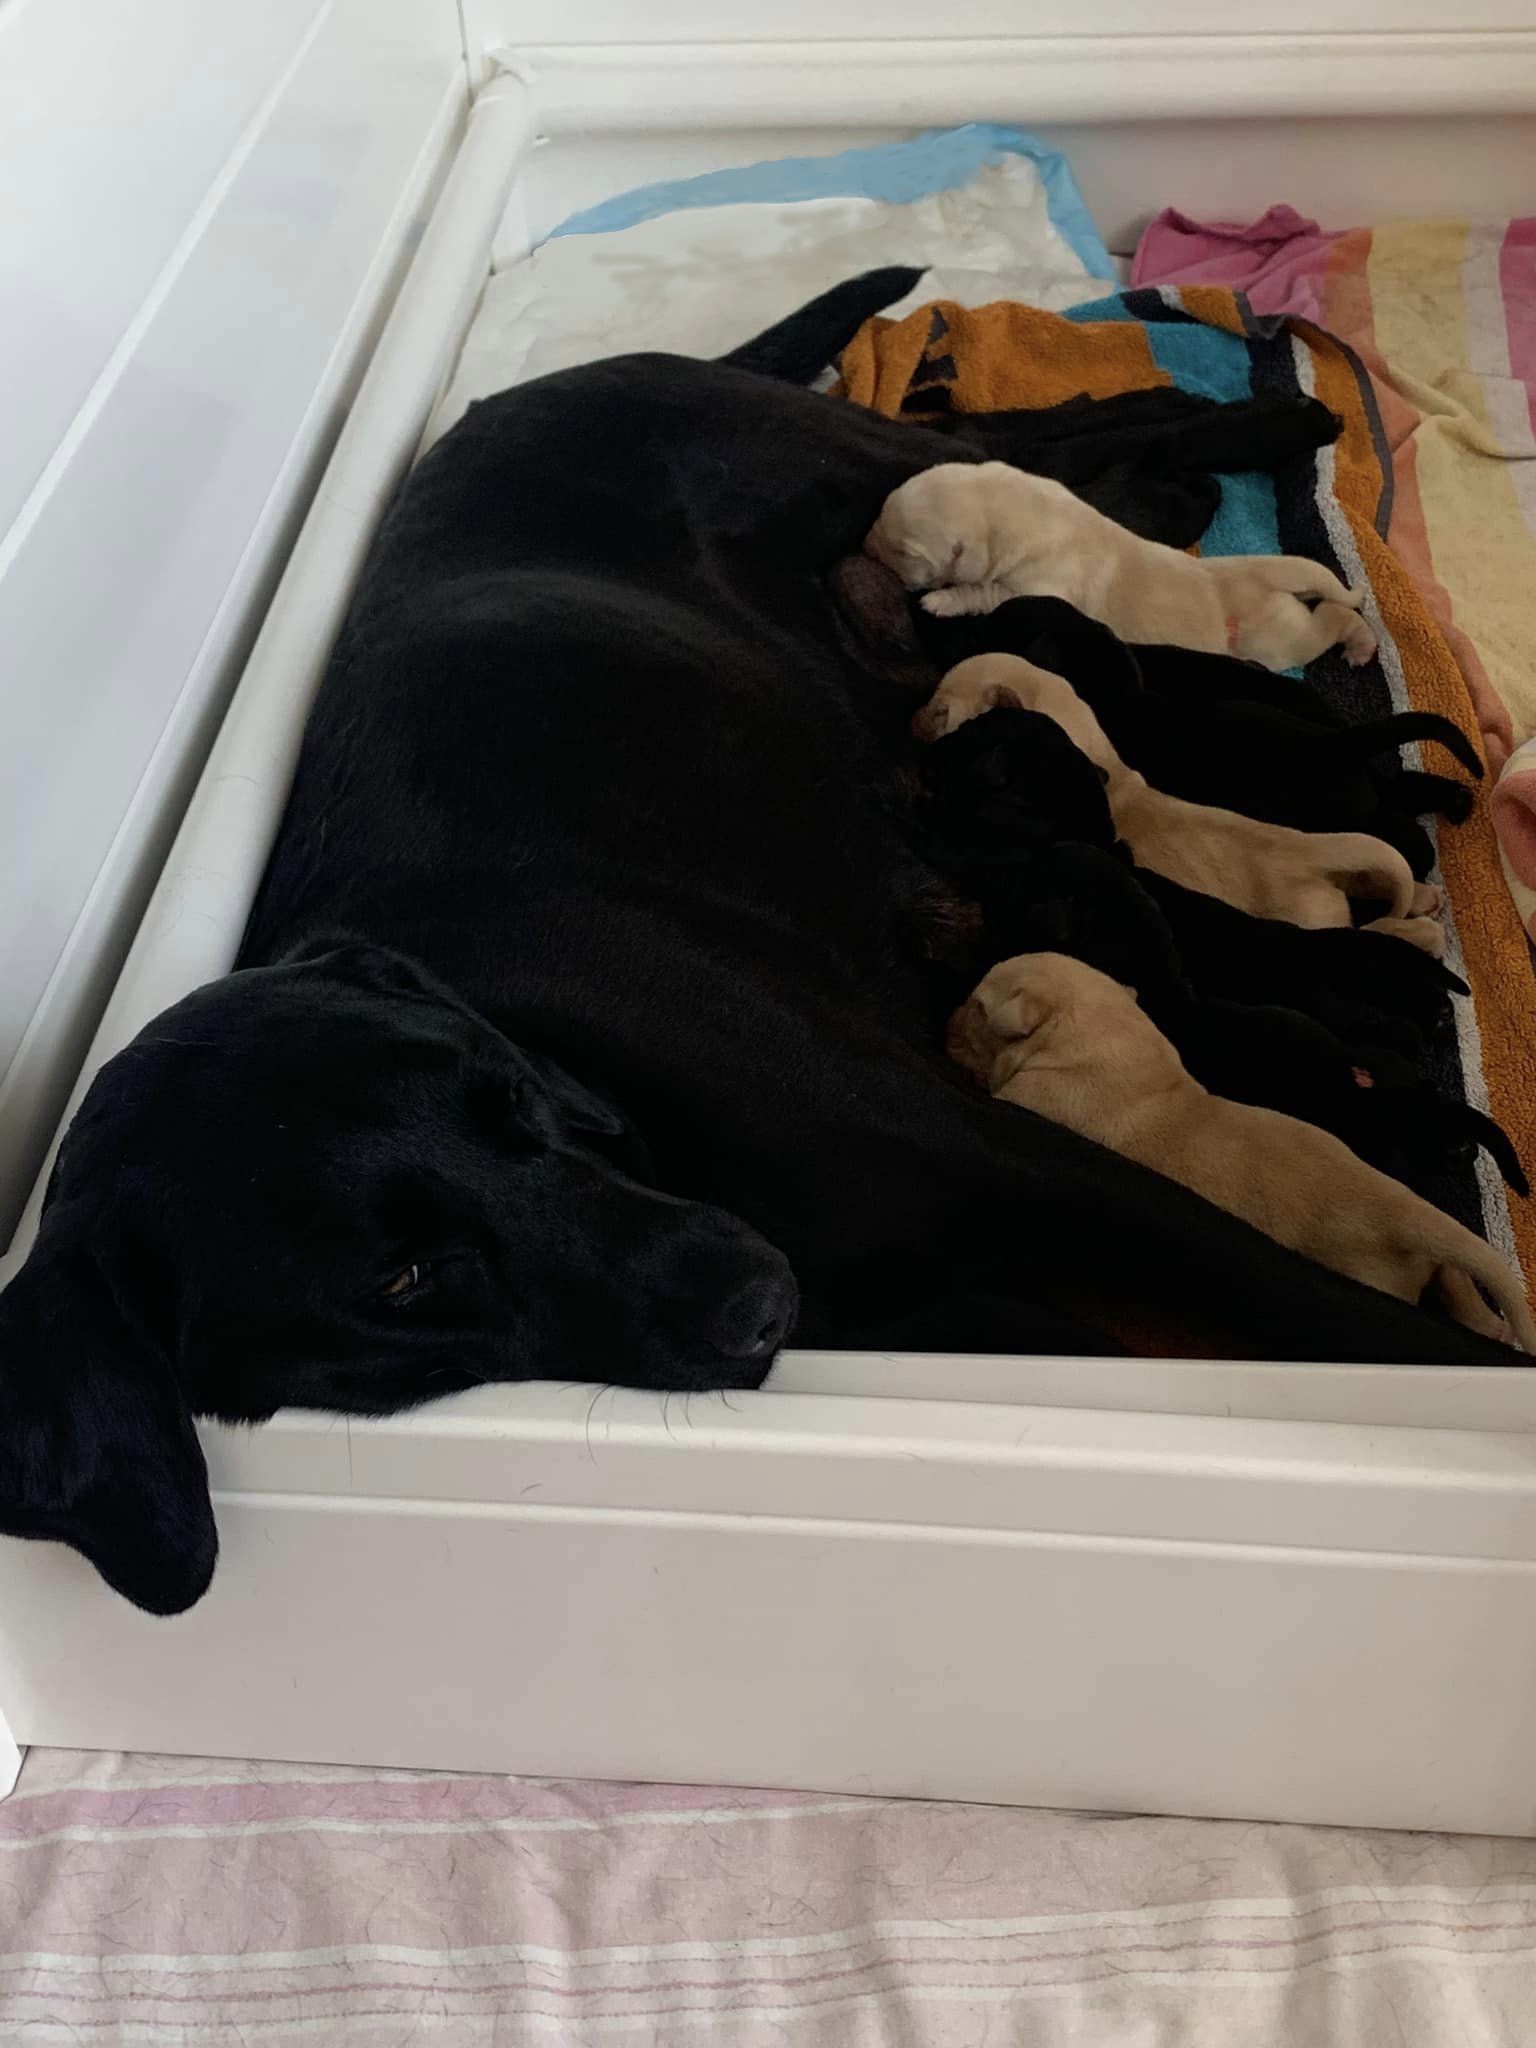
1463,1254
1371,870
799,347
1494,1140
1365,741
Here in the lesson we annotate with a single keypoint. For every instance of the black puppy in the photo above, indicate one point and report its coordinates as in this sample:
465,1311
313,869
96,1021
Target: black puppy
1140,457
587,839
1366,986
1003,787
1235,751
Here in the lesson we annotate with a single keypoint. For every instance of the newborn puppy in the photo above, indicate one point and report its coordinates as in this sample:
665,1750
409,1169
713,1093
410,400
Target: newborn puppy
1244,748
1304,878
1084,901
970,535
1061,1039
1006,786
1361,984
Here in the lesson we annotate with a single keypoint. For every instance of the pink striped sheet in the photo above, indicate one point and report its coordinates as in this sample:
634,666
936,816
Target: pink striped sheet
159,1901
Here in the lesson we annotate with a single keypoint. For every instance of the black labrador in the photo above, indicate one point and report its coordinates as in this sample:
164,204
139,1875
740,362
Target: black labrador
580,1029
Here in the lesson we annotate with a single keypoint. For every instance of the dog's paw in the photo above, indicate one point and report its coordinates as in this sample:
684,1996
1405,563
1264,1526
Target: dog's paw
1425,933
1427,900
1359,644
951,603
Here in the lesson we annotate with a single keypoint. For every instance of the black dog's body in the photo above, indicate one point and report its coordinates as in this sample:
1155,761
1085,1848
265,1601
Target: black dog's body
640,740
587,783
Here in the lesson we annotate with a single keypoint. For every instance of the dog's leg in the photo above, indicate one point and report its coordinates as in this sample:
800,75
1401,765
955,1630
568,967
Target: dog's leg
1282,633
1466,1305
1426,933
957,599
954,704
1426,900
1303,577
1346,629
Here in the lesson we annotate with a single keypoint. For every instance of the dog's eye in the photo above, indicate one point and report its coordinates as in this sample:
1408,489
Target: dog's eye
406,1283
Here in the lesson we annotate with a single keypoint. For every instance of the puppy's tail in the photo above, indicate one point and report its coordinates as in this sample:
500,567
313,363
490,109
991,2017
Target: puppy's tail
1365,741
799,347
1370,869
1494,1140
1464,1255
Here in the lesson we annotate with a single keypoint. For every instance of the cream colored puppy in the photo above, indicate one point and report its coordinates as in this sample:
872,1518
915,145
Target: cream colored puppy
1058,1037
970,534
1304,878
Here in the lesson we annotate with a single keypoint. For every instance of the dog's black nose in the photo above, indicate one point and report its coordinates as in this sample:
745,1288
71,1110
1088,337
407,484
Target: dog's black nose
754,1321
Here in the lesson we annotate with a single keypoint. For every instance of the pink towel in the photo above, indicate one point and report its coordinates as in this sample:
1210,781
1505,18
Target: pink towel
1278,261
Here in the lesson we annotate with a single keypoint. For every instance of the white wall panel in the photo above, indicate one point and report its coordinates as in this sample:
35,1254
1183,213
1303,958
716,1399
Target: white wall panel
208,210
115,120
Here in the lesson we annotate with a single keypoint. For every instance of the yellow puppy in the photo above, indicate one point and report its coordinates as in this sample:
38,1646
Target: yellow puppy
1304,878
971,534
1057,1037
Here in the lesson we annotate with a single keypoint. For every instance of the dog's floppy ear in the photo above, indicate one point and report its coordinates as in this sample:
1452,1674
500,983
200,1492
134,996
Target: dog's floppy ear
97,1447
552,1093
970,558
568,1109
577,1107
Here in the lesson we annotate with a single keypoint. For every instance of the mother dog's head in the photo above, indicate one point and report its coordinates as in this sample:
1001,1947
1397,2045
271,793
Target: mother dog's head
329,1184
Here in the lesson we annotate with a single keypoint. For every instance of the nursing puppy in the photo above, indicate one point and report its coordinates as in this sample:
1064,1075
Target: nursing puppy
1057,1037
1217,731
970,535
1304,878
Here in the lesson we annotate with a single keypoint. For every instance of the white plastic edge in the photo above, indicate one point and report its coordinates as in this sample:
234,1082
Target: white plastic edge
11,1755
192,927
636,87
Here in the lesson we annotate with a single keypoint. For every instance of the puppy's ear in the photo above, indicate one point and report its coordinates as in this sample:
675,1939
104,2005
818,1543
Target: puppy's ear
970,559
97,1448
1018,1014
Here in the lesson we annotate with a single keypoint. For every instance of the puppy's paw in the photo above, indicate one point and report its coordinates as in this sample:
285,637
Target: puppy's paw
1358,643
952,603
1426,900
1426,933
1356,597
